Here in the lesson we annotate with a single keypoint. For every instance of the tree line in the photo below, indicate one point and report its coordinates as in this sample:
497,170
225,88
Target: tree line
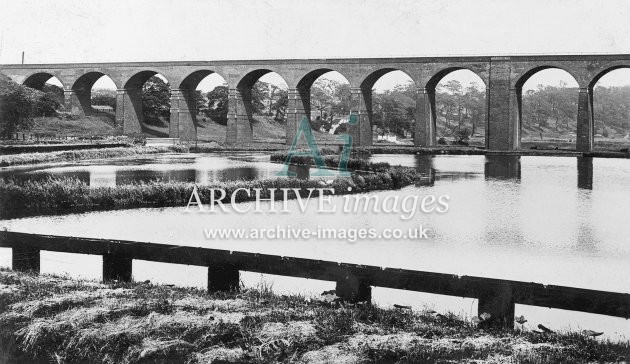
552,111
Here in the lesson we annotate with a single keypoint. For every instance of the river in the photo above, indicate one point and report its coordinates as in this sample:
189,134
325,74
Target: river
551,220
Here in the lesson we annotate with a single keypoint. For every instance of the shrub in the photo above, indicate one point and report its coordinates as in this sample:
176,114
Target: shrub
16,107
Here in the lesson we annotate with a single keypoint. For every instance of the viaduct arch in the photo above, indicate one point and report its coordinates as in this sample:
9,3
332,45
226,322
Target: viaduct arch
504,77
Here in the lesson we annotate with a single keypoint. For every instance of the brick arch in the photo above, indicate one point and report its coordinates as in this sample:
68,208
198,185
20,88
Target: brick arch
183,122
139,78
87,80
371,78
522,78
307,79
435,79
37,80
365,107
78,97
607,69
248,77
584,137
240,109
129,101
192,80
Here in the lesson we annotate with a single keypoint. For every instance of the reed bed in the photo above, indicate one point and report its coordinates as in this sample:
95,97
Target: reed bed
65,195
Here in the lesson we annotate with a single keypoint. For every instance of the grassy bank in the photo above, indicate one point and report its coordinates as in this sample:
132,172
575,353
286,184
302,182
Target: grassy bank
82,154
62,320
65,195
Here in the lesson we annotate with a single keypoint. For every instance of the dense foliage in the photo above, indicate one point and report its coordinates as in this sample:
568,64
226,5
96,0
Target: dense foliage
266,99
217,106
104,97
551,111
156,101
16,107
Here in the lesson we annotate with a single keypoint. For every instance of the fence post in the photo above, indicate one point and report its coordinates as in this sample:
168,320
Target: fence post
223,277
117,267
25,259
350,288
499,303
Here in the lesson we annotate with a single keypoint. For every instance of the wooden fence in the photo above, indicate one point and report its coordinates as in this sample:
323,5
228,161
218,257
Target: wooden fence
354,281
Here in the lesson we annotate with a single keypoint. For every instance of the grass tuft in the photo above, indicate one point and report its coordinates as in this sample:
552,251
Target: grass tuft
140,322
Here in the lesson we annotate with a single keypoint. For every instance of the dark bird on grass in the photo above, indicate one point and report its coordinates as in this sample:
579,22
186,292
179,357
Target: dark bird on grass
402,307
520,320
592,333
549,331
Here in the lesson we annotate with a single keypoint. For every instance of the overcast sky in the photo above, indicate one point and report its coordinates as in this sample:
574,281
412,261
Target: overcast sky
156,30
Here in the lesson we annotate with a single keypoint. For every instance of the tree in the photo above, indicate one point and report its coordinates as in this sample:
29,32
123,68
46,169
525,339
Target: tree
48,100
279,107
475,105
156,101
54,92
201,103
259,96
341,100
46,105
218,104
16,107
393,110
322,94
104,100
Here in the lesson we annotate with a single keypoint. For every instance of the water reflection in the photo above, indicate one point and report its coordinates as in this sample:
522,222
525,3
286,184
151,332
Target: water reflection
301,172
585,172
424,166
429,168
201,169
507,167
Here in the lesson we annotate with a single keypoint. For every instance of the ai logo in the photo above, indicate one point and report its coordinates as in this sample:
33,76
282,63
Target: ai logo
304,129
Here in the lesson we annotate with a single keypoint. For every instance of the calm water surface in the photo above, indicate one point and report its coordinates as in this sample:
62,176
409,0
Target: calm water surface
198,168
550,220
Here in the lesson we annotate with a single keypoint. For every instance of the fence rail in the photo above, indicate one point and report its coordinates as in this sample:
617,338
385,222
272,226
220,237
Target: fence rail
354,281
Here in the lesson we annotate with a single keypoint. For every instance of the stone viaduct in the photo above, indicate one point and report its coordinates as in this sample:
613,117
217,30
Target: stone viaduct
503,76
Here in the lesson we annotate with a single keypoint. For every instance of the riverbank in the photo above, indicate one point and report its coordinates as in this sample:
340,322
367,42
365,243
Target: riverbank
67,320
84,154
113,151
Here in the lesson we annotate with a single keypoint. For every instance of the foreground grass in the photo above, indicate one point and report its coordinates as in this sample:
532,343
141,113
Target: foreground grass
64,195
62,320
82,154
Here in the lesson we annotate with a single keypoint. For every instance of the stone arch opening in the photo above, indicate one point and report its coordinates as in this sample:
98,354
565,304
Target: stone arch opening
146,101
40,79
390,103
547,109
51,99
324,97
459,111
94,93
200,107
257,108
611,108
